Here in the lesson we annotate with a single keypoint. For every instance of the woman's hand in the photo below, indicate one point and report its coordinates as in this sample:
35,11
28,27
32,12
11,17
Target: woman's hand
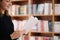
17,34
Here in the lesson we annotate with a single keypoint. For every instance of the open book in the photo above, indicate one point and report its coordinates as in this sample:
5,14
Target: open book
32,21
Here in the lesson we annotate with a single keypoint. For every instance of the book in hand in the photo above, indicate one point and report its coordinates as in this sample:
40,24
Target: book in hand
32,21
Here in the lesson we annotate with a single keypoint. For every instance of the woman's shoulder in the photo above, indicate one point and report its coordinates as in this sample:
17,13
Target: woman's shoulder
1,16
4,16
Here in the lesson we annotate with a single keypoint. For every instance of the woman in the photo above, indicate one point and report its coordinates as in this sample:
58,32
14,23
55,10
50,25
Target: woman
6,26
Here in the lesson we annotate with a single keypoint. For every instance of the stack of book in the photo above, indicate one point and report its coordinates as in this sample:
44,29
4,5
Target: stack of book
18,10
44,8
41,26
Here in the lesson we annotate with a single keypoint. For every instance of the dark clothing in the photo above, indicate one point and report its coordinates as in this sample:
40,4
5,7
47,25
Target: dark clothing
6,27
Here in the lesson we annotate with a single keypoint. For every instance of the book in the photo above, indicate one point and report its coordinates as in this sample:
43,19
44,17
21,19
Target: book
57,26
23,9
29,24
30,9
15,22
34,8
32,38
55,37
40,8
13,9
18,10
25,37
39,25
46,26
50,25
46,8
50,9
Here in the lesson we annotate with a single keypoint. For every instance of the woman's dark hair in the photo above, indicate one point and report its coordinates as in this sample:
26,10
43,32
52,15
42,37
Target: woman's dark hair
0,0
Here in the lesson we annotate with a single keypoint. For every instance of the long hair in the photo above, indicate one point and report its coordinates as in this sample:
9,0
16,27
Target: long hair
0,0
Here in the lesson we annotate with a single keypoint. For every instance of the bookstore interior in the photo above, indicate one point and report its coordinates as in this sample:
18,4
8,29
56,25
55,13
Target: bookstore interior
40,18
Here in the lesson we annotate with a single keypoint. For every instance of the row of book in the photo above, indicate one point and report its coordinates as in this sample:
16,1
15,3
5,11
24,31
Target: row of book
35,38
41,26
44,8
18,10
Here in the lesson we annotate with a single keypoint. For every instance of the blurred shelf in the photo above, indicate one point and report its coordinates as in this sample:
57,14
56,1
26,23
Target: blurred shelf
41,1
57,18
58,34
34,15
45,17
19,0
20,17
48,34
40,32
40,15
56,15
57,1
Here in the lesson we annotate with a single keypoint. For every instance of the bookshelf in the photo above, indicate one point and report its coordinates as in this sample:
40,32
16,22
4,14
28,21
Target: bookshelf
47,15
56,19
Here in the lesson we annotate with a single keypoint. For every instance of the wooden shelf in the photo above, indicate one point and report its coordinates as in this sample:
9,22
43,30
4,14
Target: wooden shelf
58,34
41,32
34,15
19,17
56,15
41,1
56,18
57,1
48,34
40,15
19,0
44,17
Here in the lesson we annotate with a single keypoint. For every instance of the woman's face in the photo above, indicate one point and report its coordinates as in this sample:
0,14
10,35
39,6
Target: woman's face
5,4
